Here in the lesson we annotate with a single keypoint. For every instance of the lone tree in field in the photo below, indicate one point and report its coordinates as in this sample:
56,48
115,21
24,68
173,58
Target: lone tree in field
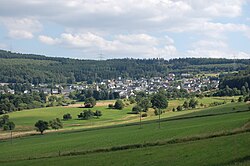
119,104
41,126
9,126
144,104
89,102
159,101
4,120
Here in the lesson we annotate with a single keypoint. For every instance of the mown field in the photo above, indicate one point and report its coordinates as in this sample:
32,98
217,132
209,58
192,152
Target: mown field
223,151
51,144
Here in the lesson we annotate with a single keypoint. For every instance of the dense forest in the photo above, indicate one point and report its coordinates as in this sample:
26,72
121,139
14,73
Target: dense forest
29,68
235,80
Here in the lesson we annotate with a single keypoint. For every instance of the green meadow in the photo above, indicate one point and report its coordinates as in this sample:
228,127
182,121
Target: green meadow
116,128
51,143
26,119
223,151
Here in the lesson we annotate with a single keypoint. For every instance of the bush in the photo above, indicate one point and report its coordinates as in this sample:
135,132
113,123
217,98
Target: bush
97,113
4,120
158,111
132,100
216,103
86,114
179,108
110,106
88,105
90,102
119,105
136,109
193,103
11,125
144,115
67,116
247,98
5,128
240,99
56,124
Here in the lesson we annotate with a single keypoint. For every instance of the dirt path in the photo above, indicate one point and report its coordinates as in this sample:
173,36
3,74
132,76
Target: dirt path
100,104
18,134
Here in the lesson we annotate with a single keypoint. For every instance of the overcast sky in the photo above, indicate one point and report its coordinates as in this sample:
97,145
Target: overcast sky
126,28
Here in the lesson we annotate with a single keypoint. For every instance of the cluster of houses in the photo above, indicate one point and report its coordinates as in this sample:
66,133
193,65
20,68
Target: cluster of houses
127,87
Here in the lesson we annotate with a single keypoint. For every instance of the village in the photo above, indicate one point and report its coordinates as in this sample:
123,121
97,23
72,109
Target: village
126,87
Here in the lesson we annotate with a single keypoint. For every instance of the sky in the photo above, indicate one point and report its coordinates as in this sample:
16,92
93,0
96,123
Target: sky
106,29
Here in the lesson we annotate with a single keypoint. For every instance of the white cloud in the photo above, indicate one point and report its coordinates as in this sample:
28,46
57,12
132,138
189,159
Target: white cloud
208,48
138,39
122,27
242,55
214,49
21,28
136,16
210,44
214,8
20,34
47,40
132,45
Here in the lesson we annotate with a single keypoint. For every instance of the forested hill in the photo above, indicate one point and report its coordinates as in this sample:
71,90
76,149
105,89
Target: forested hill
20,68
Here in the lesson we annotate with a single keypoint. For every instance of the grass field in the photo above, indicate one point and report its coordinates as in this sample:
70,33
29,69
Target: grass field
226,150
222,151
25,120
51,143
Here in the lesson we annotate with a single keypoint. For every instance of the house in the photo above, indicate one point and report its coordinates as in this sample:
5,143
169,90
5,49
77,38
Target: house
11,91
54,91
67,91
26,92
4,84
186,75
46,90
35,90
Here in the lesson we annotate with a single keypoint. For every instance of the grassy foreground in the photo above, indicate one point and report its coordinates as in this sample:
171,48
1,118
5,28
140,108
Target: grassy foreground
223,150
51,143
231,150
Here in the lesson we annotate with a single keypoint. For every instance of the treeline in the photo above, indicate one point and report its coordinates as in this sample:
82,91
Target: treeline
17,102
236,80
104,94
29,68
